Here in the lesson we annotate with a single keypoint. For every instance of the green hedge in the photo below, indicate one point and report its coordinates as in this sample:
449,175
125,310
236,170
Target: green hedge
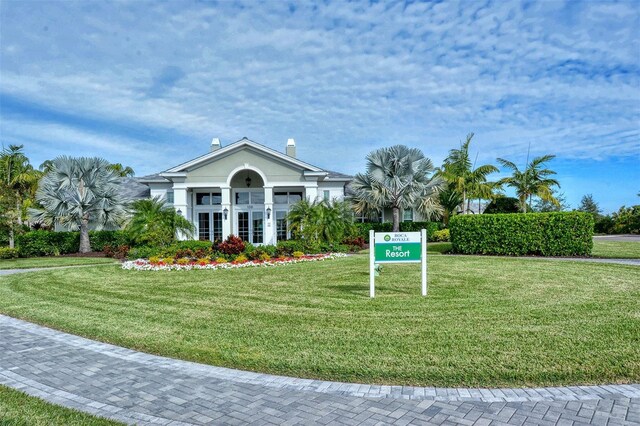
50,243
363,228
542,234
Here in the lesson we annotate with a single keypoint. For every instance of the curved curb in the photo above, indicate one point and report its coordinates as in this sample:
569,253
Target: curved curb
559,393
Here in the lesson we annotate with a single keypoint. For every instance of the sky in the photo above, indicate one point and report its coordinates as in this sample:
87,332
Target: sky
149,84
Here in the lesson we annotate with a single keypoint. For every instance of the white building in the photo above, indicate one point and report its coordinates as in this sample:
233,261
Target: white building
244,189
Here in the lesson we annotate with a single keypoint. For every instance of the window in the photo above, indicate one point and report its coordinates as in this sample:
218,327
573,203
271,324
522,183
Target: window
407,215
208,198
169,197
242,198
287,197
326,195
281,225
204,230
203,199
257,197
280,197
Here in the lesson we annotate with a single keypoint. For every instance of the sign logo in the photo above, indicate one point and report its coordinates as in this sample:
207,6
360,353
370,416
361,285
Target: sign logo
387,237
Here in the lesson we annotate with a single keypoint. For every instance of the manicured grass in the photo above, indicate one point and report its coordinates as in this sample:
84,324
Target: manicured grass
46,262
486,321
18,408
616,249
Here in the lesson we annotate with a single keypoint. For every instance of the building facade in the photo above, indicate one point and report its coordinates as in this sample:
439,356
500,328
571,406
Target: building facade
244,189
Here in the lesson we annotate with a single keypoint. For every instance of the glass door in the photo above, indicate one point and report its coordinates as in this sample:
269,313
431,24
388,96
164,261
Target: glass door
243,225
257,223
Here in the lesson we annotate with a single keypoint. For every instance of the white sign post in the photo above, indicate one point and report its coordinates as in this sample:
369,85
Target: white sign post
397,247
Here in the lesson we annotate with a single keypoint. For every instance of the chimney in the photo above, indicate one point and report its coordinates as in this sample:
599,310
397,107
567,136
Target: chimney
215,144
291,148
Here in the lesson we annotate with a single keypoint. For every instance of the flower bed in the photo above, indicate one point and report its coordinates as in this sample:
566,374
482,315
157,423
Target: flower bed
145,265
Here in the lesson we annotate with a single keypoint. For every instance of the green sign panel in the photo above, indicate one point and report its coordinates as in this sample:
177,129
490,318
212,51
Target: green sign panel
398,247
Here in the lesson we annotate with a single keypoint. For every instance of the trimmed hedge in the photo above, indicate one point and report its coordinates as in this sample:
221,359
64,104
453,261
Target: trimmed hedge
542,234
363,228
51,243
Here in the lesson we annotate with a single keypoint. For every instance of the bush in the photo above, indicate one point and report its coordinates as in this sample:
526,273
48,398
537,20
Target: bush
627,220
503,205
604,225
143,252
363,228
47,243
100,239
286,248
298,254
8,253
118,252
544,234
231,246
441,236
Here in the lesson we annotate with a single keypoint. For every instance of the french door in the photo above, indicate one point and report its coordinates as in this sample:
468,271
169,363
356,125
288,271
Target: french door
250,225
209,226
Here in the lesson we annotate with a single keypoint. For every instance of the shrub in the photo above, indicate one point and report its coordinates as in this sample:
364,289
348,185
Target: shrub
143,252
8,253
627,220
231,246
100,239
154,260
298,254
545,234
286,248
221,260
168,260
183,261
441,236
241,259
265,257
203,261
118,252
47,243
503,205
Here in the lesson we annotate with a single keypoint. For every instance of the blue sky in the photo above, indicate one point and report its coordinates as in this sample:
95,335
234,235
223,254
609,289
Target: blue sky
148,84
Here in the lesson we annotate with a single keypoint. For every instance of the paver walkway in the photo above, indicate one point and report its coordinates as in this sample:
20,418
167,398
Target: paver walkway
138,388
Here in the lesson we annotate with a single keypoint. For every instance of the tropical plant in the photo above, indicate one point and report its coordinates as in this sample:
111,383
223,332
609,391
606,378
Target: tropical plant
323,221
450,200
532,181
79,194
398,178
121,170
502,204
463,177
155,223
18,182
560,204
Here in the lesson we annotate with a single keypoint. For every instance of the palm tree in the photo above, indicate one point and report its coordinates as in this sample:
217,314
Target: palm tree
533,181
450,201
79,194
121,170
19,181
156,223
399,178
461,176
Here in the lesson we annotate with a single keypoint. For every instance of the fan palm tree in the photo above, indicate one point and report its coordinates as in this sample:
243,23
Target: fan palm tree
459,173
79,194
533,181
399,178
19,181
156,223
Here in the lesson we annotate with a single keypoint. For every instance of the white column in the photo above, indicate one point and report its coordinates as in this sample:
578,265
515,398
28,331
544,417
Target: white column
226,204
181,205
269,232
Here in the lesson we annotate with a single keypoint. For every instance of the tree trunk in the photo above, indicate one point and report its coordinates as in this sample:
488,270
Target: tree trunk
396,219
479,206
464,201
85,245
11,240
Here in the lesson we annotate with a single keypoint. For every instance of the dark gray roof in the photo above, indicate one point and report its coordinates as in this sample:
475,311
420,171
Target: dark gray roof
337,175
134,190
152,178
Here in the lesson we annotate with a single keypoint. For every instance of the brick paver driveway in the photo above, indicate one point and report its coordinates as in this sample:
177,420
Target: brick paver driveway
139,388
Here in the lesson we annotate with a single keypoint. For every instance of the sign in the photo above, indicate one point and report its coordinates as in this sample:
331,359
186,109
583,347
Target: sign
397,247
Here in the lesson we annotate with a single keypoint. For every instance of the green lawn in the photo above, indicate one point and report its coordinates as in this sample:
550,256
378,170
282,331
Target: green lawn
616,249
486,321
46,262
18,408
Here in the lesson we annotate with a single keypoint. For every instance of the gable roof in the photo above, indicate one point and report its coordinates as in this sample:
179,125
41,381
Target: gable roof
242,143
